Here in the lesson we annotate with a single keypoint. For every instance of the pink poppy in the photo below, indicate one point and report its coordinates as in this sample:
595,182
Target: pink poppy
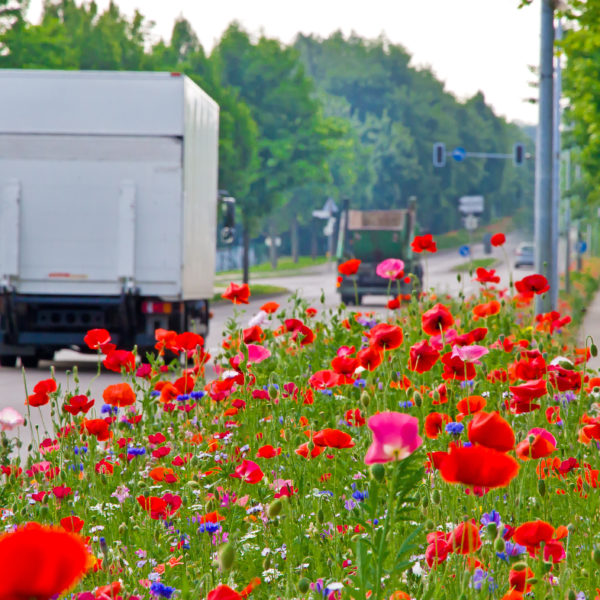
395,436
256,354
470,353
248,471
390,268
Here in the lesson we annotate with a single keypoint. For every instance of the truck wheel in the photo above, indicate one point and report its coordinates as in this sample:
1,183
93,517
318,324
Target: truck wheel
30,362
8,360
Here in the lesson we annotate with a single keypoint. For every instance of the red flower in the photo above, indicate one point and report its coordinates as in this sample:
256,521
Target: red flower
160,508
97,338
324,379
436,320
498,239
492,431
532,534
253,335
530,390
385,337
354,417
238,294
518,580
434,424
41,562
422,243
119,394
99,428
248,471
303,450
76,404
543,444
72,524
532,284
488,309
370,358
333,438
485,276
469,406
187,342
422,357
564,379
344,365
268,452
223,592
300,330
455,368
41,392
117,360
465,538
478,465
270,307
350,267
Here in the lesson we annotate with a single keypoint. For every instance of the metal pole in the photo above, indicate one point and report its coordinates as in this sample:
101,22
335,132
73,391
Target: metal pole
568,223
543,254
554,278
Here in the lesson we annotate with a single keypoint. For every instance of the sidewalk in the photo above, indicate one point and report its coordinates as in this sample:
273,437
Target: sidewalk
591,327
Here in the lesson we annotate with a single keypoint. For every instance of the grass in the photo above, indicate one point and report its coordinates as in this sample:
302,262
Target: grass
460,237
584,286
474,264
285,263
256,289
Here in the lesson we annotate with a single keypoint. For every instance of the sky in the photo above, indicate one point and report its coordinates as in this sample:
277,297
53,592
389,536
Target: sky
470,45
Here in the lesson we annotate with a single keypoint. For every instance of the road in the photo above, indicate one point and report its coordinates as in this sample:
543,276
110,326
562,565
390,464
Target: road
309,284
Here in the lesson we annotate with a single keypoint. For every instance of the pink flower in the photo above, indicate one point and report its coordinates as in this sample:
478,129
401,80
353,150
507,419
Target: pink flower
248,471
390,268
256,354
395,436
470,353
10,418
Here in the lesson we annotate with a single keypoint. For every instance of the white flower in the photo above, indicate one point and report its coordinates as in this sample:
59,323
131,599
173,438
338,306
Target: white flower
10,418
258,319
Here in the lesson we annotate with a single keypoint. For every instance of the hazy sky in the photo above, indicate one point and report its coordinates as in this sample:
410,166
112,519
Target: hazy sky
471,45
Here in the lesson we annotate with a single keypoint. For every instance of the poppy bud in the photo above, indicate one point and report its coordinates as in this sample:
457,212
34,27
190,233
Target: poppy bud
546,566
322,297
596,556
226,556
570,528
365,400
594,350
274,508
499,545
320,515
585,573
425,502
429,525
520,566
394,376
436,496
571,595
44,510
417,399
267,562
355,538
273,392
303,585
492,530
378,472
436,396
462,597
541,487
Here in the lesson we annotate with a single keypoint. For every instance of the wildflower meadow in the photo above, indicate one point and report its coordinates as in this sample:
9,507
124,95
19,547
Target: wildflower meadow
441,448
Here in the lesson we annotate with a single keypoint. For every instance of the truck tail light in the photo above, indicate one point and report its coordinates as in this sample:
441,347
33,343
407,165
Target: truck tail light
154,308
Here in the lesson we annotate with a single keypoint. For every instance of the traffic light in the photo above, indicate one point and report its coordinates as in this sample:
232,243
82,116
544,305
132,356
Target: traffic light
518,154
439,155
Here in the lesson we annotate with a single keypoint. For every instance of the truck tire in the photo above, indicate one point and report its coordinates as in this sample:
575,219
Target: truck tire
8,360
30,362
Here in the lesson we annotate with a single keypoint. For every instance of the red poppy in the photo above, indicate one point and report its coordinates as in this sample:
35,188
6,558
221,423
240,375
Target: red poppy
478,465
324,379
530,390
422,357
253,335
211,517
223,592
465,538
543,444
345,365
350,267
268,452
485,276
72,524
117,360
370,358
119,394
187,342
434,424
97,338
488,309
41,562
37,399
498,239
333,438
354,417
438,549
492,431
248,471
532,534
437,319
529,368
519,579
564,379
532,284
99,428
270,307
160,508
469,406
422,243
455,368
385,336
300,331
78,404
238,294
303,450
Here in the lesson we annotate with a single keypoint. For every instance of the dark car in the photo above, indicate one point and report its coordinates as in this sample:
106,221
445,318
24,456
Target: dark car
524,255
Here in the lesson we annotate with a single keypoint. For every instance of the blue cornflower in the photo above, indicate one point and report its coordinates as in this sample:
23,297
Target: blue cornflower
360,496
162,590
208,527
405,404
491,517
454,428
197,395
327,392
325,493
155,393
480,577
183,397
136,451
107,408
360,383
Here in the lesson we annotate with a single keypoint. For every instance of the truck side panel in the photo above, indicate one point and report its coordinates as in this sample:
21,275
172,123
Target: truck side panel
76,197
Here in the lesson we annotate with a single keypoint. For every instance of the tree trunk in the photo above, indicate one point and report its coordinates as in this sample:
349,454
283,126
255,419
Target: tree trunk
313,240
294,237
246,252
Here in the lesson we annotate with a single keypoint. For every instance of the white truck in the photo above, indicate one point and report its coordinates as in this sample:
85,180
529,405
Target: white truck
108,208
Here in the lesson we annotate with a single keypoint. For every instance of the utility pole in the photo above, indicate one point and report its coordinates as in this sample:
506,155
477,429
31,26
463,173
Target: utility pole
554,279
543,234
568,223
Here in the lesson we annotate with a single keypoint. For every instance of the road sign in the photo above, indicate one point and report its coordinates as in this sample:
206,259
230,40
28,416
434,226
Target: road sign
464,250
471,222
458,154
470,205
581,247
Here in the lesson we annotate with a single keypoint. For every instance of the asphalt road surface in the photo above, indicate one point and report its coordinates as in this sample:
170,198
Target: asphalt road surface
309,284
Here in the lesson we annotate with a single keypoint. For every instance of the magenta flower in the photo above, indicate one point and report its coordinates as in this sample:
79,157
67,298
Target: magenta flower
395,436
470,353
390,268
256,354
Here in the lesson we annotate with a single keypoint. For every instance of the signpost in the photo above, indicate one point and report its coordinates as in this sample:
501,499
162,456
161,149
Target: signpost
470,205
459,154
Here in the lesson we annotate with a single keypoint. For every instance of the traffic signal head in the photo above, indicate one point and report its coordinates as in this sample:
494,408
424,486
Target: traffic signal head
518,154
439,154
